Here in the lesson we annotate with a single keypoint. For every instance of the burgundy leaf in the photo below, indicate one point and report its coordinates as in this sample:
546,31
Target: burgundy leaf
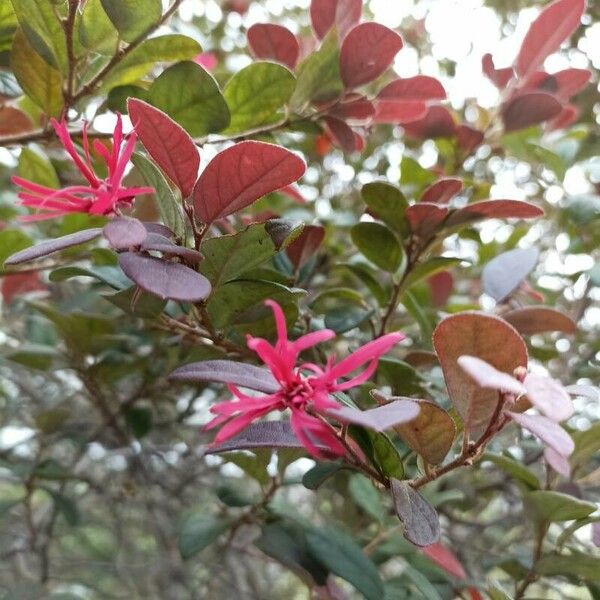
269,434
490,339
399,111
487,376
539,319
274,42
340,134
367,51
571,81
240,175
164,279
441,286
445,559
567,116
421,522
557,461
123,233
547,430
324,14
494,209
437,122
499,77
551,28
380,418
358,110
529,109
596,533
468,138
167,143
549,397
442,191
420,87
304,247
425,217
50,246
505,272
228,371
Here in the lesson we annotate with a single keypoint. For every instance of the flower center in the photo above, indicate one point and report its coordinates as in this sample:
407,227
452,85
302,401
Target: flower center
298,393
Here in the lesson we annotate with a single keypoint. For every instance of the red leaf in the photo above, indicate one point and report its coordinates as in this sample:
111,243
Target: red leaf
494,209
303,248
274,42
13,121
399,111
468,138
340,134
529,109
445,559
16,284
488,338
292,192
553,26
566,117
242,174
442,191
50,246
539,319
367,51
437,122
356,110
344,14
167,143
503,274
499,77
425,217
440,287
571,81
164,279
420,87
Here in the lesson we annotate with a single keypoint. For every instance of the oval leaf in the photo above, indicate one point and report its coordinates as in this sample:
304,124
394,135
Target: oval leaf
539,319
529,109
547,430
505,273
242,174
418,88
324,14
367,51
305,246
274,42
380,418
123,233
442,191
164,279
167,143
378,244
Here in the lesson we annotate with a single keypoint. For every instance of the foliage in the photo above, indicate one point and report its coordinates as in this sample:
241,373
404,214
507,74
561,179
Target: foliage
401,362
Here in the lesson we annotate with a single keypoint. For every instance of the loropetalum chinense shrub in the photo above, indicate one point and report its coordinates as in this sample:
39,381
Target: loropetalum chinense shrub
229,367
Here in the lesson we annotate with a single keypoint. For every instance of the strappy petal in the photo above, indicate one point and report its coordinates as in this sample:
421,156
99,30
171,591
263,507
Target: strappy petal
62,132
237,424
312,339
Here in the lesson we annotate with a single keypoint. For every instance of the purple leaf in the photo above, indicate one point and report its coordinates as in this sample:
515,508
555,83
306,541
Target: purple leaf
557,461
437,122
549,397
159,229
51,246
366,52
505,273
269,434
547,430
596,533
421,522
425,217
380,418
240,175
124,233
587,391
340,134
164,279
228,371
167,143
486,376
161,244
529,109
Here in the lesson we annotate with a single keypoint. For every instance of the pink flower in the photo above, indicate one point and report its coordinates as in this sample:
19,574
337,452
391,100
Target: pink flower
547,395
305,388
100,196
208,60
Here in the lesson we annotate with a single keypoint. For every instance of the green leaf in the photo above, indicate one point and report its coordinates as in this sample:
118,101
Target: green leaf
388,203
66,507
366,496
513,468
37,168
366,275
555,506
573,565
229,256
199,531
161,49
41,26
571,529
41,82
429,268
416,311
112,276
587,443
140,420
380,450
11,241
345,318
321,472
414,175
421,583
191,96
256,93
132,302
34,356
233,495
378,244
319,75
402,377
255,465
168,201
132,17
96,31
340,554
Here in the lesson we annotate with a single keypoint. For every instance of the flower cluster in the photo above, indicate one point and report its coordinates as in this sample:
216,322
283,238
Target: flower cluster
305,389
102,196
546,395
